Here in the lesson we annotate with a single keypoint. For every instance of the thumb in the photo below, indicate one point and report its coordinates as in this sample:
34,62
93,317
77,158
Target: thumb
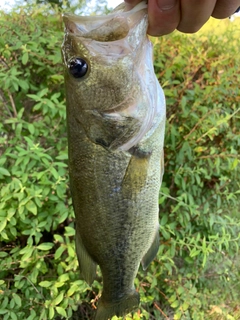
164,16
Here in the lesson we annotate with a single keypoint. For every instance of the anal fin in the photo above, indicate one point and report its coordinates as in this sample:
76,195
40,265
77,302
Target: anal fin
86,264
151,253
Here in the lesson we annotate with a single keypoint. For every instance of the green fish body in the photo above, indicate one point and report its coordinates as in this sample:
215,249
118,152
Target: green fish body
116,121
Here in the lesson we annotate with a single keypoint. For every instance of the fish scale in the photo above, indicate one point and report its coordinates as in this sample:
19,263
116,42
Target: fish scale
116,121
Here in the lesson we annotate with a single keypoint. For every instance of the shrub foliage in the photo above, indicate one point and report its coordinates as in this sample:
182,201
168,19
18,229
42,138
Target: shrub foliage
196,273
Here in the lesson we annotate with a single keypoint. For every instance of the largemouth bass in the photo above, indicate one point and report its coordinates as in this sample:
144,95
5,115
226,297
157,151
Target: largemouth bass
116,121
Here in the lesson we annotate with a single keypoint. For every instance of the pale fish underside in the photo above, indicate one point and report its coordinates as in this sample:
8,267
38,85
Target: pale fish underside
116,121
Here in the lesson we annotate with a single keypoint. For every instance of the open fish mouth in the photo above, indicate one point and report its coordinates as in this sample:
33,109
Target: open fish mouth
114,26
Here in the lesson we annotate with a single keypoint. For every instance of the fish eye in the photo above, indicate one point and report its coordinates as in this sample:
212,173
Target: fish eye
78,67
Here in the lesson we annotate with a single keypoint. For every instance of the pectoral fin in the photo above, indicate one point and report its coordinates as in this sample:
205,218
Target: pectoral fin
86,264
151,253
136,175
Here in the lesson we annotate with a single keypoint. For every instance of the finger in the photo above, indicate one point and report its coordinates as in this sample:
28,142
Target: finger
194,14
225,8
164,16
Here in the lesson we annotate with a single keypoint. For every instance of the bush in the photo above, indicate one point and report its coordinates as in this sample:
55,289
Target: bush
196,273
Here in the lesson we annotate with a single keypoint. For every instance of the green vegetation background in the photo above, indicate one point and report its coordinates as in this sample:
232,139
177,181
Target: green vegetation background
196,274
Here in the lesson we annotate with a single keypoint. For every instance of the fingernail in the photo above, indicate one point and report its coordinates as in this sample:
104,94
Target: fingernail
166,5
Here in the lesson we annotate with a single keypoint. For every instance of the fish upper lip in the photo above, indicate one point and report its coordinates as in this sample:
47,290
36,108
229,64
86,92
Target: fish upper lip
80,25
76,18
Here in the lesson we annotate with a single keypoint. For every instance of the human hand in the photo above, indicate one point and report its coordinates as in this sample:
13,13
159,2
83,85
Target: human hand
184,15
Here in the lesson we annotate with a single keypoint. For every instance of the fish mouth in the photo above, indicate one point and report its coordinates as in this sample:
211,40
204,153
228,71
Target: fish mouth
105,28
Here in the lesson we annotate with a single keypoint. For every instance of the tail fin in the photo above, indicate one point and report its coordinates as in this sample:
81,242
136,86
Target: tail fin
106,310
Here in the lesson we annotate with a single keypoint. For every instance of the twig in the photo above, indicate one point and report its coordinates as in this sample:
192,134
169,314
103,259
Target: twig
2,61
168,196
206,133
159,309
198,123
13,104
5,103
34,287
212,156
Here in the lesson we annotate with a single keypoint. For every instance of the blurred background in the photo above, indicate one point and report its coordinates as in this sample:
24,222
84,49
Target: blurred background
89,6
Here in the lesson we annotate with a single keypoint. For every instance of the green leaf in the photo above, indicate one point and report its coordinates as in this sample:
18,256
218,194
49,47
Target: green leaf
194,252
72,290
69,231
13,316
185,306
175,304
234,163
4,235
64,277
31,206
180,290
43,314
59,252
64,215
11,213
59,298
165,234
3,311
31,128
58,238
23,84
4,303
51,312
45,284
18,129
27,254
62,156
4,172
177,315
25,58
54,172
17,299
32,315
3,224
71,251
61,311
45,246
161,200
34,97
164,220
172,298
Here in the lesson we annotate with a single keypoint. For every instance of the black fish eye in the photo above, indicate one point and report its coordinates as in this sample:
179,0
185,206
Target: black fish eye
78,67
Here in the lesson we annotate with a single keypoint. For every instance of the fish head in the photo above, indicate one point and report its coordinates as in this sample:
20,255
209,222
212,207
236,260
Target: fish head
111,88
101,55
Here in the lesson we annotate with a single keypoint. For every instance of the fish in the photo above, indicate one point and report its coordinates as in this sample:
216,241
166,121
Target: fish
115,121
